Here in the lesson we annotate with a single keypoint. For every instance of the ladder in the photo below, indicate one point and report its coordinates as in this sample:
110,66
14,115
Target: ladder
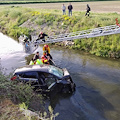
90,33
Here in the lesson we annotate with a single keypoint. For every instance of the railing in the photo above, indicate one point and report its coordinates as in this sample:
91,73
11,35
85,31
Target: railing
101,31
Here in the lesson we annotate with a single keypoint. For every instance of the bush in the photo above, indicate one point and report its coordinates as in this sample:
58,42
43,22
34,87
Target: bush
14,91
14,14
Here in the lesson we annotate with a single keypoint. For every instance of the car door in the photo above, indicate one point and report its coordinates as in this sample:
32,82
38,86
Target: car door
30,77
41,79
52,83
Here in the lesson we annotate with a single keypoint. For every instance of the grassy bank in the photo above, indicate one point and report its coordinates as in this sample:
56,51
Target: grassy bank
17,20
17,99
10,94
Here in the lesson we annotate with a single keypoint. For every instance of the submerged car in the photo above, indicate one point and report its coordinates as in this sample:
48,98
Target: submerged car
45,78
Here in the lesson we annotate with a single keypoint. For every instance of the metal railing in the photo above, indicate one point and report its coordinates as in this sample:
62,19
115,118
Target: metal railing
101,31
96,32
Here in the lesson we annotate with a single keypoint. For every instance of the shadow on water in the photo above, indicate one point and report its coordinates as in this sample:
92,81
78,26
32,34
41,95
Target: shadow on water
56,99
61,104
85,104
91,102
96,104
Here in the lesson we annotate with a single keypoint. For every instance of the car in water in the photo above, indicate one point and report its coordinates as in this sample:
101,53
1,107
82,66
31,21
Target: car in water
45,78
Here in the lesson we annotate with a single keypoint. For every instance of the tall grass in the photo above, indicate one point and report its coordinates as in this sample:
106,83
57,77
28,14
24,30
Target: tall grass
13,92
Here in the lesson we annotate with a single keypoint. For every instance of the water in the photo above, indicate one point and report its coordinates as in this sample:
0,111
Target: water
97,95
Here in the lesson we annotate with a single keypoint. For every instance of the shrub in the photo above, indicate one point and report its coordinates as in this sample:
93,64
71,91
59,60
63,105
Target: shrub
14,14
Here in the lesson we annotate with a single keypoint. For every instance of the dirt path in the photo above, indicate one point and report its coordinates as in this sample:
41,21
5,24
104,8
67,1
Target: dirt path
100,6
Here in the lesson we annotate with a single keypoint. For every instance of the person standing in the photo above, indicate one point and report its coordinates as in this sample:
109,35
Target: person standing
64,9
70,7
88,9
46,48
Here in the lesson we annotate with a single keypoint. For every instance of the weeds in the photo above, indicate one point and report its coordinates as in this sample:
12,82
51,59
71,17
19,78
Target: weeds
21,94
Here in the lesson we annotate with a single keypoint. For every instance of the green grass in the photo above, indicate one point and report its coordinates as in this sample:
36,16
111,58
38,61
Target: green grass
15,91
14,96
18,92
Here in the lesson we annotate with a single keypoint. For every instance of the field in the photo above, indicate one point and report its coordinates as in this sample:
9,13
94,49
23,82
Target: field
98,6
42,1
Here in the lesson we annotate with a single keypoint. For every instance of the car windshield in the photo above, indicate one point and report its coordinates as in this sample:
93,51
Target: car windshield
56,71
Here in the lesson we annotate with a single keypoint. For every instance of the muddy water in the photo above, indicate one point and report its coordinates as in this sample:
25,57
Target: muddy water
97,95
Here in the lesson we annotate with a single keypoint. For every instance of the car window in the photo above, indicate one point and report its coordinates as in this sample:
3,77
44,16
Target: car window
31,74
56,71
48,75
49,81
41,77
49,78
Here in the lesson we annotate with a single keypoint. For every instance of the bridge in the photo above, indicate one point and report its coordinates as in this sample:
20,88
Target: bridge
90,33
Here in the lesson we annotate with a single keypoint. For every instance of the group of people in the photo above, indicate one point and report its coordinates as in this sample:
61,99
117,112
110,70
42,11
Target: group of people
44,59
70,7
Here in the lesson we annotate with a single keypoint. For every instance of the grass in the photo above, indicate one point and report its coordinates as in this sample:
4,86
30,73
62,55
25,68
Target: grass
14,91
16,99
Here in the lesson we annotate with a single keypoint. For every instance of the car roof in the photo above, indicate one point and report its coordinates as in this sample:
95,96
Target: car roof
42,68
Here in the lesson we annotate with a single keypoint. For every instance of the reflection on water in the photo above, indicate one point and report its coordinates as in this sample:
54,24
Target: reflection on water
97,94
11,53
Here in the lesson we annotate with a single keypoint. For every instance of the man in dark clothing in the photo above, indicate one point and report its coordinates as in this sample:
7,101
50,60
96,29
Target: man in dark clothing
36,56
70,7
46,54
25,39
42,36
88,10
